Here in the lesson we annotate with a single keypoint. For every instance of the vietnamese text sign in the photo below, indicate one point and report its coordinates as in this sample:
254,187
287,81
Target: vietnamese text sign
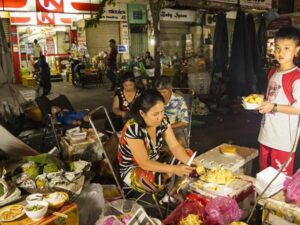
178,15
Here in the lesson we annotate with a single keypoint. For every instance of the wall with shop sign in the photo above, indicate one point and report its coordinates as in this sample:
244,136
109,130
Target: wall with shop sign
51,6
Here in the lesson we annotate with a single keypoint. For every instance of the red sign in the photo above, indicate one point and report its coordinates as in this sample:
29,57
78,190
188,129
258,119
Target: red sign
45,18
18,5
50,6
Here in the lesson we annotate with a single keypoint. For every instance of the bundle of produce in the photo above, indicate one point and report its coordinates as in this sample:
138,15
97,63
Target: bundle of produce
45,173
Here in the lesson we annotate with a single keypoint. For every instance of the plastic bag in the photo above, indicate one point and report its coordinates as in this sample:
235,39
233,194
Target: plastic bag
109,220
292,188
90,204
118,212
222,211
183,210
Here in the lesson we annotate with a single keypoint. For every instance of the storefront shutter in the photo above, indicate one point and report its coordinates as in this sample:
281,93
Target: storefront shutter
173,37
97,38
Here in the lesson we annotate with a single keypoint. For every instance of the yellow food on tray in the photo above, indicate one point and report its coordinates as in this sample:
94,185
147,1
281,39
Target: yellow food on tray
191,219
228,149
238,223
218,176
254,99
200,169
12,212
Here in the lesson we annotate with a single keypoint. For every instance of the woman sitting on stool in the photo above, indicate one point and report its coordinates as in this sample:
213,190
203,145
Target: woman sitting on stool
141,142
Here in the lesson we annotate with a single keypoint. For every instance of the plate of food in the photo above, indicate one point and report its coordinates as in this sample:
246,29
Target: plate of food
11,212
252,102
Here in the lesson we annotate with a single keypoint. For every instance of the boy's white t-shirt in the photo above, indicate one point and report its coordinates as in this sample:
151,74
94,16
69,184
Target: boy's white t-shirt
278,130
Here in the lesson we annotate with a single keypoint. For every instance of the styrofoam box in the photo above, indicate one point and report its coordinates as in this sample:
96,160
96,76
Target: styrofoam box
264,177
215,159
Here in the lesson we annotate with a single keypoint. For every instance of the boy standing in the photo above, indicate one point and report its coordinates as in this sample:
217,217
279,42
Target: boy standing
280,122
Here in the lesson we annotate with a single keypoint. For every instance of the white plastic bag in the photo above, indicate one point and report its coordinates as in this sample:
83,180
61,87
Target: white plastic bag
90,204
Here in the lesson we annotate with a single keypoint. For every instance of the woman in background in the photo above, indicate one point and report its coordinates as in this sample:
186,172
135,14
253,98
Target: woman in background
123,99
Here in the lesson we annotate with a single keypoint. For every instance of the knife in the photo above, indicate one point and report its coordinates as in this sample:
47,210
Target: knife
189,162
183,181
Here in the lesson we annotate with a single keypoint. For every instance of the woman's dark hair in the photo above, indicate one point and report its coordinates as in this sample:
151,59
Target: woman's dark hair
144,102
128,76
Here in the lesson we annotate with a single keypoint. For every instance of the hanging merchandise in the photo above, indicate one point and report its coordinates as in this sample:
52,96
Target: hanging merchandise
220,50
251,54
237,77
262,53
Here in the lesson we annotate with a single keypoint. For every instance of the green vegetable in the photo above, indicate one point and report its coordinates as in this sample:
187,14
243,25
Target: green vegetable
72,166
50,168
32,172
1,189
41,159
35,208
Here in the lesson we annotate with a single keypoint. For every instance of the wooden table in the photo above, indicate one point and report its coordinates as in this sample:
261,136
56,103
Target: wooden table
69,210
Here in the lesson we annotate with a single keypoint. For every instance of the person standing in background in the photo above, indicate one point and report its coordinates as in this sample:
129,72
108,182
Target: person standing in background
37,50
45,81
112,63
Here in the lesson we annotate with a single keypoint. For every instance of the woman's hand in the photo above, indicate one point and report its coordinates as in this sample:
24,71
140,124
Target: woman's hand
183,170
266,107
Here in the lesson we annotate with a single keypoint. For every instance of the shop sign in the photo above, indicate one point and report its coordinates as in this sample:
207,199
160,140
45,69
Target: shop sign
57,6
178,15
115,13
50,6
222,1
19,5
45,18
253,4
256,4
81,6
26,18
33,18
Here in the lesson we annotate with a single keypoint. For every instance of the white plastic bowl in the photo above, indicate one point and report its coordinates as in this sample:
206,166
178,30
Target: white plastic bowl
37,214
34,197
250,106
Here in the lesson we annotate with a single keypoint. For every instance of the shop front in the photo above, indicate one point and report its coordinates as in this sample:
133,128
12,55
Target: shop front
54,35
174,29
113,25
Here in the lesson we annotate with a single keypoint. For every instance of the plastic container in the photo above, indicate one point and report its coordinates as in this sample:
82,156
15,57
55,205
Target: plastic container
29,81
38,213
199,82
